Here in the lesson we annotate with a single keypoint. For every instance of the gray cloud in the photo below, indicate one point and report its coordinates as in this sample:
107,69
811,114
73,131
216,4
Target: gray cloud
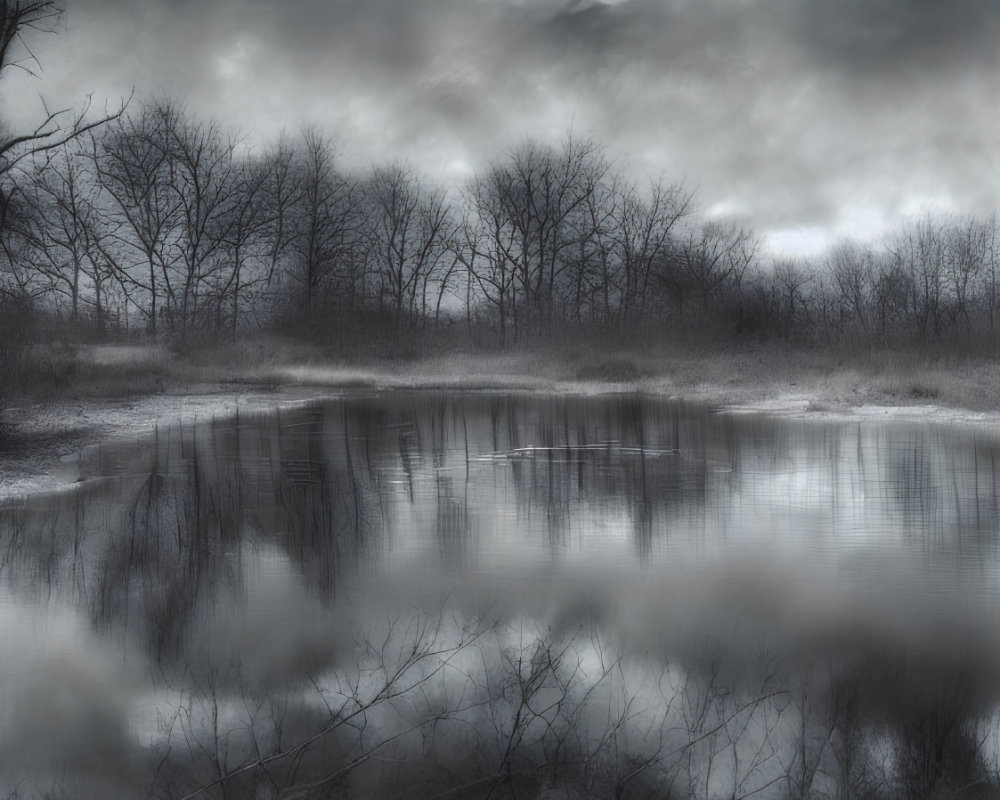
897,38
787,113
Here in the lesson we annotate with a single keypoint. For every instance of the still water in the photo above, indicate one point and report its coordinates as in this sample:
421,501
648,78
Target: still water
507,595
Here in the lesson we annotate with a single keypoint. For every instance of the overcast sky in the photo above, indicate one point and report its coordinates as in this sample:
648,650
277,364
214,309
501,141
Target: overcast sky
807,118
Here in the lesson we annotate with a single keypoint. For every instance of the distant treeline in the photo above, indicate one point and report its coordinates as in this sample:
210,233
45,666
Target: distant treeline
163,223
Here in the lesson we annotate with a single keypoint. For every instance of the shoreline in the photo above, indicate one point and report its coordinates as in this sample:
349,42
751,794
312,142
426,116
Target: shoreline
44,439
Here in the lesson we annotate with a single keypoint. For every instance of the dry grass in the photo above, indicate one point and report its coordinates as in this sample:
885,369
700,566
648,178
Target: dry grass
825,379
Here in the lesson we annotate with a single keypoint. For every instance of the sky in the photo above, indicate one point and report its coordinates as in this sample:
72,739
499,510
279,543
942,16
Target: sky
808,119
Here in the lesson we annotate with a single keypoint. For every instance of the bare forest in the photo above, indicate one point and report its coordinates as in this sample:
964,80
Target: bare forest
158,223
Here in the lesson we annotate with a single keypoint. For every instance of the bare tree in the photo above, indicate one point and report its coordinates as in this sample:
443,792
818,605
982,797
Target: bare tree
854,273
326,221
523,227
968,244
622,235
133,161
593,274
282,193
260,235
19,19
244,228
486,248
206,190
69,232
708,259
646,227
919,252
409,227
989,275
18,281
790,279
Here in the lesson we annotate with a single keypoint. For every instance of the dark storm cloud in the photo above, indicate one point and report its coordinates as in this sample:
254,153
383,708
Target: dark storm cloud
789,113
898,37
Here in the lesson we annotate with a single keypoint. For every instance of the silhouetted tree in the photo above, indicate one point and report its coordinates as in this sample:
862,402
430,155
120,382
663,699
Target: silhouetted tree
523,228
854,274
968,244
989,276
487,250
918,249
69,233
245,227
646,226
18,18
134,163
790,279
326,261
709,259
409,227
208,190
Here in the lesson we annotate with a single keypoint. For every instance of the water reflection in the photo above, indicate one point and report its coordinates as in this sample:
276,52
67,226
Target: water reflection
760,607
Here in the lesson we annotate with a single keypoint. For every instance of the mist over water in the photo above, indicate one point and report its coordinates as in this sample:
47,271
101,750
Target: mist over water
608,595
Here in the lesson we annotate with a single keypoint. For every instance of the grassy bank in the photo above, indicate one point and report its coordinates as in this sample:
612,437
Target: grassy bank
832,379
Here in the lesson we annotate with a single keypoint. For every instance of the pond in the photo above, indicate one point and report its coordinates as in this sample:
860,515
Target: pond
474,594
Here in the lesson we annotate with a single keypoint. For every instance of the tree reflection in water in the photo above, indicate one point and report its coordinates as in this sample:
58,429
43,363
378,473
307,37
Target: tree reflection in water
491,595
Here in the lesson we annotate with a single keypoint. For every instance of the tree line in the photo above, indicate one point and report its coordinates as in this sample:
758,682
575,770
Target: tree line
162,222
934,278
